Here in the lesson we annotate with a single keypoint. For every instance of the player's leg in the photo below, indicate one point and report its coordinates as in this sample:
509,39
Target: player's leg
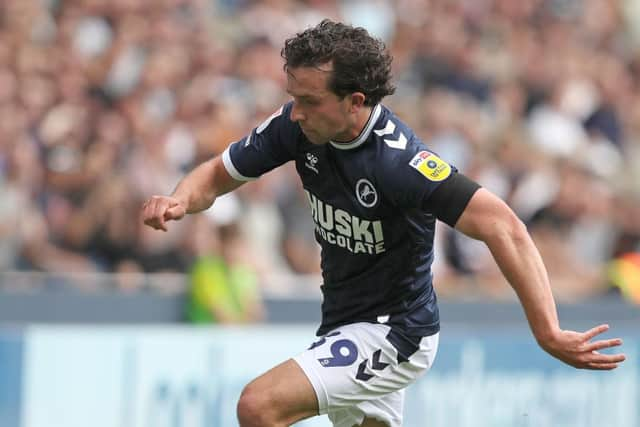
279,397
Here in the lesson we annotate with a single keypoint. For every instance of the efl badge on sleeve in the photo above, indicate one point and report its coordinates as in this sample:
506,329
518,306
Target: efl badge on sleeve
431,166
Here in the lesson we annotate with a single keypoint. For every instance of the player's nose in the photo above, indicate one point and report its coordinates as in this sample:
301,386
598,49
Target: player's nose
296,115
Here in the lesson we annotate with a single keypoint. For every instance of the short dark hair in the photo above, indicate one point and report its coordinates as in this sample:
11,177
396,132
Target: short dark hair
360,62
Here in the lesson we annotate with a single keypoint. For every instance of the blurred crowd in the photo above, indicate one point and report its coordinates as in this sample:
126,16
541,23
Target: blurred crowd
106,102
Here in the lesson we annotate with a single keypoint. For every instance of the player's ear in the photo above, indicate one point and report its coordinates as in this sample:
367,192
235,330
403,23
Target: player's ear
357,101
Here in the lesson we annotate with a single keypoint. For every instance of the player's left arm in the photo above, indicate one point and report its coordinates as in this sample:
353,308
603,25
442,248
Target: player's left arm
486,217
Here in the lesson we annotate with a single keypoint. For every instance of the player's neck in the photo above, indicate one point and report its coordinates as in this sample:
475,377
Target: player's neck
360,121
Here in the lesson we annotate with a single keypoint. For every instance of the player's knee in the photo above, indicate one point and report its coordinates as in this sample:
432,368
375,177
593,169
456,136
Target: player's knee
254,409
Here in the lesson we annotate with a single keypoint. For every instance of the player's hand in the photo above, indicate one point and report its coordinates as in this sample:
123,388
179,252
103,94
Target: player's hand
577,349
159,209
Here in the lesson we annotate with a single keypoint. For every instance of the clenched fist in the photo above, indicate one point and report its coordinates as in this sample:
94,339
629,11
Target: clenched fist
159,209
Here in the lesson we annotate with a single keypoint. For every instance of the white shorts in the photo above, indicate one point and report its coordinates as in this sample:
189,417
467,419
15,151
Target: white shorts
355,373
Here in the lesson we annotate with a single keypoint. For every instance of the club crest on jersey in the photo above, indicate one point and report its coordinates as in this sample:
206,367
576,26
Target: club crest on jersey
431,166
366,193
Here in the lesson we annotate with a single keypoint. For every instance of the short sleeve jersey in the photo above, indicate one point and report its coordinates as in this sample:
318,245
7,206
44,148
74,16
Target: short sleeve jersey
370,201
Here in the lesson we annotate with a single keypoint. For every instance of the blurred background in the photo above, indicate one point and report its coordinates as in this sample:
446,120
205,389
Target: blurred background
106,102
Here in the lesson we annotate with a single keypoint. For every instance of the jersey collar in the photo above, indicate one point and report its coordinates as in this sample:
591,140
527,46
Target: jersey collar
373,118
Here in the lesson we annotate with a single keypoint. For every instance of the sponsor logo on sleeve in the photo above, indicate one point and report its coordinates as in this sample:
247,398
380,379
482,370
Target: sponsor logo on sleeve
431,166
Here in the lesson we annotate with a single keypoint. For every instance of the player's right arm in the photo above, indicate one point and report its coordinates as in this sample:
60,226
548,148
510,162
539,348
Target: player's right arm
268,146
196,192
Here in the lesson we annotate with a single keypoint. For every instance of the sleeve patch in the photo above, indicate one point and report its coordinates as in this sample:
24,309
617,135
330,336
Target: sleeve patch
431,166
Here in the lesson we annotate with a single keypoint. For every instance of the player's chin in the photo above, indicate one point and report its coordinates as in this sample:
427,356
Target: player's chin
318,142
315,138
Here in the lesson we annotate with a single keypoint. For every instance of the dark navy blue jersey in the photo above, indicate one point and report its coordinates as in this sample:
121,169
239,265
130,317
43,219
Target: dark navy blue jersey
370,201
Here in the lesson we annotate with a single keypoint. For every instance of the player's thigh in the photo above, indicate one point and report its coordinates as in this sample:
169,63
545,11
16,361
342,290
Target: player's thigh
283,395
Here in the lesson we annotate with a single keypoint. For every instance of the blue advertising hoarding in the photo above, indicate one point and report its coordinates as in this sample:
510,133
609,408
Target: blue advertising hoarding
10,377
192,377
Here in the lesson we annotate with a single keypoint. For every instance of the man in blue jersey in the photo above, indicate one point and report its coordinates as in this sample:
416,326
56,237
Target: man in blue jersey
375,192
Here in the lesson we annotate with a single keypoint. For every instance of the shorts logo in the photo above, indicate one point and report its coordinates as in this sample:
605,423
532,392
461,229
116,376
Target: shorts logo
431,166
366,193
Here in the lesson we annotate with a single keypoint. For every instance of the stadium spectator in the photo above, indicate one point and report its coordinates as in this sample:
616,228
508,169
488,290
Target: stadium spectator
223,286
